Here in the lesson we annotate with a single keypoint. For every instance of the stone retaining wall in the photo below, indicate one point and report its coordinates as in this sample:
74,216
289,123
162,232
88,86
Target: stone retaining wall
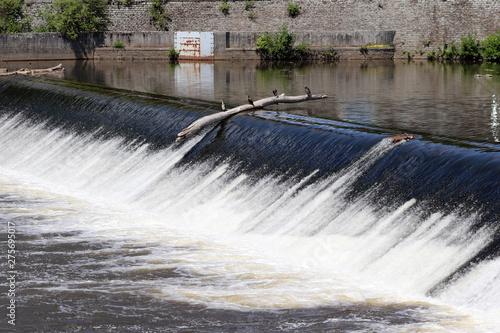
413,21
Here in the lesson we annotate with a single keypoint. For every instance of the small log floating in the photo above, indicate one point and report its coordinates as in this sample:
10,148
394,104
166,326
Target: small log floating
203,122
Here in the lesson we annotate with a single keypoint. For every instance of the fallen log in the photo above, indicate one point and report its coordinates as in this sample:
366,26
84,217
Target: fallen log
201,123
32,72
401,137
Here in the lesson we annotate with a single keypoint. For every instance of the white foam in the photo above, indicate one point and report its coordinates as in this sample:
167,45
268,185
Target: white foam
270,243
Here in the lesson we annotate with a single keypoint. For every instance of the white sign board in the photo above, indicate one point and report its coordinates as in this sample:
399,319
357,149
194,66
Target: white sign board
194,44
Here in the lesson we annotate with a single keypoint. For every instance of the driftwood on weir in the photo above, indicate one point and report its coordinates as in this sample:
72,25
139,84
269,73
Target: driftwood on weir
201,123
59,69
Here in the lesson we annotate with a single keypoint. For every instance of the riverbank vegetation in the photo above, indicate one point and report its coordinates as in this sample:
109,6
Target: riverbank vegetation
469,49
281,45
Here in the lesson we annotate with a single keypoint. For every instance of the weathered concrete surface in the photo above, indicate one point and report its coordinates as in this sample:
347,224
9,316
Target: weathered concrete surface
130,54
45,46
320,38
155,45
139,39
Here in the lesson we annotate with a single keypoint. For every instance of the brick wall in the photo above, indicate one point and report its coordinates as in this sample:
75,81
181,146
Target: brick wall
413,20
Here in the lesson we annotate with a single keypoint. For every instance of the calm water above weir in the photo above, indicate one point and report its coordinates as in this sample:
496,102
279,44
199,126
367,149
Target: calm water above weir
418,97
300,218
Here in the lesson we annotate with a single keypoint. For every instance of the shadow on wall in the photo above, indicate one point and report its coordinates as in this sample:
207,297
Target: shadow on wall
85,45
48,46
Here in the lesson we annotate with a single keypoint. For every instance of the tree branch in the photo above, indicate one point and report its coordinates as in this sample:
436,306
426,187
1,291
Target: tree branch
201,123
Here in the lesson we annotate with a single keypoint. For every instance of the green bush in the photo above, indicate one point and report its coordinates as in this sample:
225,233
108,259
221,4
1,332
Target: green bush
470,48
491,47
330,54
278,45
431,55
74,17
451,52
118,45
303,50
11,17
252,16
173,54
159,16
293,9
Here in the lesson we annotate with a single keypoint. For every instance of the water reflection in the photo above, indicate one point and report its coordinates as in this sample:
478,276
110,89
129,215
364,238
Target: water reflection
419,97
195,79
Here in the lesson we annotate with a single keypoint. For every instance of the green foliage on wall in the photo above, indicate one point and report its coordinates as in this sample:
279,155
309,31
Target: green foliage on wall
74,17
11,17
293,9
159,16
249,5
224,7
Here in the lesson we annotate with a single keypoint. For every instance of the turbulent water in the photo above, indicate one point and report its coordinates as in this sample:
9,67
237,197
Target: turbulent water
267,222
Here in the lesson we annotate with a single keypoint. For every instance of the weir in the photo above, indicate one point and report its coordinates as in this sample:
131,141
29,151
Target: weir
338,200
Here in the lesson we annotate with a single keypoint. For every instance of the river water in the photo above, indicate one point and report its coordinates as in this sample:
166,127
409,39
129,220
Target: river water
298,218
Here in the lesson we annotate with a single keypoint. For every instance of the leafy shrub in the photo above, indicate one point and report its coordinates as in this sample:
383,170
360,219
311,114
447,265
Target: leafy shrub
224,7
118,45
491,47
303,50
448,52
426,42
278,45
470,48
452,52
159,16
252,16
11,17
330,54
74,17
364,49
293,9
431,55
173,54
